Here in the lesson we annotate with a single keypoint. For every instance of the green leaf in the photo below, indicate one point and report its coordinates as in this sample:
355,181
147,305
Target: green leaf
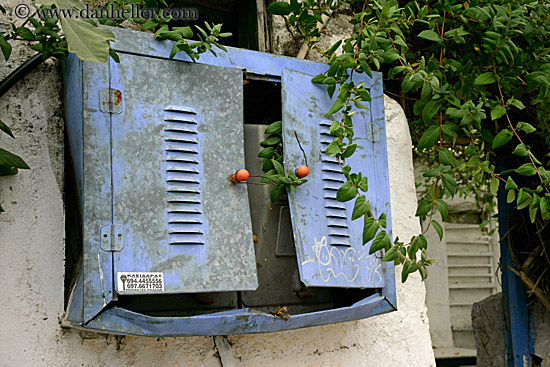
5,46
430,35
438,229
333,148
510,184
364,184
447,157
271,172
432,173
518,104
295,6
524,199
278,167
424,242
511,196
114,56
274,128
5,128
521,150
503,137
485,78
169,35
346,192
174,51
545,207
149,24
527,169
424,207
319,79
271,141
336,130
382,241
12,160
423,272
359,105
533,207
267,165
8,171
337,106
202,31
430,136
541,169
449,183
185,32
443,208
497,112
266,152
525,127
279,8
88,42
369,231
382,220
276,192
331,89
392,254
350,149
494,185
334,48
361,207
405,272
431,109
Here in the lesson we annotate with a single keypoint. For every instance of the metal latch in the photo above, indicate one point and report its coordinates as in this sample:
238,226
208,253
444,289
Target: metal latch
112,237
110,100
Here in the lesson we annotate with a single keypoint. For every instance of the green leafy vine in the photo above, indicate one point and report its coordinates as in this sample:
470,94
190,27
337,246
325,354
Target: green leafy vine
471,76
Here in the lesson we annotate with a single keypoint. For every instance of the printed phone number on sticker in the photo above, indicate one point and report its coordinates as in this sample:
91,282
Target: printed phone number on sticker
140,282
142,285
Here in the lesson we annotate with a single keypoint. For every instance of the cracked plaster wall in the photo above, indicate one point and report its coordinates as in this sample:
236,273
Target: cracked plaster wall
32,263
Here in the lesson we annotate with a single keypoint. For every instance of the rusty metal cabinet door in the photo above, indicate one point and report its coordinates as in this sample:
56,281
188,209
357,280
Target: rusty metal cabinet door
175,141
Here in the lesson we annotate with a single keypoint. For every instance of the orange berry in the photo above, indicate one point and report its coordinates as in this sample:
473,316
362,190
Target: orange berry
302,171
241,175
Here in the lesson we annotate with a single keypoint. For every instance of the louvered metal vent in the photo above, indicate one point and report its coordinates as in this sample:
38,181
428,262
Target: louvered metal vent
333,178
183,176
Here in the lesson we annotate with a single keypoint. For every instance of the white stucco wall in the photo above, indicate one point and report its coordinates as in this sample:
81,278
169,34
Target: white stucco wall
32,265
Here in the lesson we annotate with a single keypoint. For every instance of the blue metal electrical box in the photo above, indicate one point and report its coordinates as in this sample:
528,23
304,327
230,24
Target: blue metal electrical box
169,245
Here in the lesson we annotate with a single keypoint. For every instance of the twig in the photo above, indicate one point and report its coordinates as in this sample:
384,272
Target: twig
305,48
534,289
289,29
534,254
300,145
441,85
400,96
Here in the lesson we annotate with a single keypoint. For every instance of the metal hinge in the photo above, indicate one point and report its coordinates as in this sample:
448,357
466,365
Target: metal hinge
112,237
110,100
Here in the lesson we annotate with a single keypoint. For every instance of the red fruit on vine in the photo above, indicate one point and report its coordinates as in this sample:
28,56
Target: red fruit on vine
240,176
302,171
